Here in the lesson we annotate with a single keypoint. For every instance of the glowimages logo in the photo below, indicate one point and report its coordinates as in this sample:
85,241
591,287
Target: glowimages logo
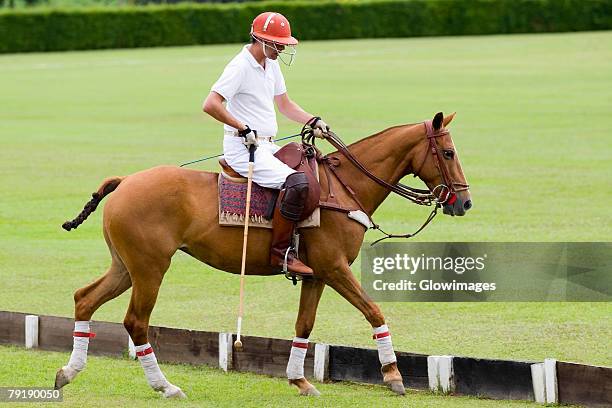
488,271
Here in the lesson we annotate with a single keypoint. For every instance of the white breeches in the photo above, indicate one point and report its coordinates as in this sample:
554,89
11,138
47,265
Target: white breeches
268,171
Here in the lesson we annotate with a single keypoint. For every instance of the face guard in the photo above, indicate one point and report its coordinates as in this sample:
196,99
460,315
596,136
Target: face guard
286,53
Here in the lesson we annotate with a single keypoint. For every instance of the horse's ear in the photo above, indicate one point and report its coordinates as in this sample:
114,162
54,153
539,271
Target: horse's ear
437,121
449,119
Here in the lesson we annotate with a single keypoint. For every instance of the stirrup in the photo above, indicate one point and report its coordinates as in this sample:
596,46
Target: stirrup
292,276
296,246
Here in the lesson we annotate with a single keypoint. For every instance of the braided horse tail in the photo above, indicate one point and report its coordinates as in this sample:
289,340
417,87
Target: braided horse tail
108,186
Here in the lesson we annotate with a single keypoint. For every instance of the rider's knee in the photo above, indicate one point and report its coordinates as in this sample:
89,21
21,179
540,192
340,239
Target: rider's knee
295,193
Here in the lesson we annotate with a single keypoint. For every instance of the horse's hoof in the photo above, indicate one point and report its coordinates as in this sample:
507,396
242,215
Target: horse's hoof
310,392
174,392
397,387
63,376
60,379
305,388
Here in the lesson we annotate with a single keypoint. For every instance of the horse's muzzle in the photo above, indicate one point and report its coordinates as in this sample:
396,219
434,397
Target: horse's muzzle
458,207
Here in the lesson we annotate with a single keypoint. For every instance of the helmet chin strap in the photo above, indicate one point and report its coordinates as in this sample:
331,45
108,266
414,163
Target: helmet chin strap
265,47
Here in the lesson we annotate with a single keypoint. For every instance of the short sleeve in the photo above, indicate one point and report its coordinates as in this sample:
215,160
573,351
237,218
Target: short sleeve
229,82
279,81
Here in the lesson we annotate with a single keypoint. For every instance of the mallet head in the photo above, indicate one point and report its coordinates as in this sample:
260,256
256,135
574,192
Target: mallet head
238,345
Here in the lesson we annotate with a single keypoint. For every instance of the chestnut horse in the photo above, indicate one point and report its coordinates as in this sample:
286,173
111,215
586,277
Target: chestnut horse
156,212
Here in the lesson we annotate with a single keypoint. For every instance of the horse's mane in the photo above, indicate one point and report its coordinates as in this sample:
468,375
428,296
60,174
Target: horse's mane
358,142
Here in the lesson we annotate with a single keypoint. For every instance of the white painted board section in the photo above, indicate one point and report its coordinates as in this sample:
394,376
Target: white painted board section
550,374
131,348
31,331
447,374
538,379
321,362
225,351
433,372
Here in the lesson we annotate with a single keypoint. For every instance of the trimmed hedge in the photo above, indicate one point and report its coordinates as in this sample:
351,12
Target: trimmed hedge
150,26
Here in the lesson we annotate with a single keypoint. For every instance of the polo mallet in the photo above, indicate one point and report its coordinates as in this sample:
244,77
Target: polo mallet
252,148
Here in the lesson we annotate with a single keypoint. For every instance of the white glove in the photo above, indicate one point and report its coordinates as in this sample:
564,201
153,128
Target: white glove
250,137
320,124
319,127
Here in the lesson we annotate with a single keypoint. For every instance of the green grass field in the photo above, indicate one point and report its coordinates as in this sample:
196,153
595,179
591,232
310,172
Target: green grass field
113,382
533,130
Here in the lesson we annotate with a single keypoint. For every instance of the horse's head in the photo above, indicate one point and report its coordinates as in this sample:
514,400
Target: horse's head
437,164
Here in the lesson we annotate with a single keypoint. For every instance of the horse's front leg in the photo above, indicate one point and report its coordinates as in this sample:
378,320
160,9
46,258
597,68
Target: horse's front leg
309,300
344,282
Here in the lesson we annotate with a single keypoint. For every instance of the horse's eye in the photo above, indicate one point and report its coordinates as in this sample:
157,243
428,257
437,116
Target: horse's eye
448,154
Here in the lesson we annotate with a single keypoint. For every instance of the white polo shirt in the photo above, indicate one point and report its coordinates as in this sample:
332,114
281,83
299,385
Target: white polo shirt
249,90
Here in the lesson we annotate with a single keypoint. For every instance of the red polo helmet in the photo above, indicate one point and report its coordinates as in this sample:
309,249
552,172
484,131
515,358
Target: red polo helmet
270,26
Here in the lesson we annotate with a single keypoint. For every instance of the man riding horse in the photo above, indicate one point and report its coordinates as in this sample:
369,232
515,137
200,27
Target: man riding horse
250,85
177,209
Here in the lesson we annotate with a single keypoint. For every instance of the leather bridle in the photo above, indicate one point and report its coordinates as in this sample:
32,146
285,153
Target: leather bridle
448,188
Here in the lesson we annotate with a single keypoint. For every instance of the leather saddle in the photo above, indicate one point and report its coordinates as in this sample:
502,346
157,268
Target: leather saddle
300,158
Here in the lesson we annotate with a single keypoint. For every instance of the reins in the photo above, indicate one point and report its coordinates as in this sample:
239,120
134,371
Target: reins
417,196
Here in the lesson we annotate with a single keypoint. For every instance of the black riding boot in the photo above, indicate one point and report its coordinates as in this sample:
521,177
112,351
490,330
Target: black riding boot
288,210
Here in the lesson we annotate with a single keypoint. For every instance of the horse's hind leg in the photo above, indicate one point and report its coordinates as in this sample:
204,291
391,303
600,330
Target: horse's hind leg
344,282
87,300
147,279
309,300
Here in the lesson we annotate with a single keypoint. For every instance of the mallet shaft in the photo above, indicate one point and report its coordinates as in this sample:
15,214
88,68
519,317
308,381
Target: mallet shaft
244,250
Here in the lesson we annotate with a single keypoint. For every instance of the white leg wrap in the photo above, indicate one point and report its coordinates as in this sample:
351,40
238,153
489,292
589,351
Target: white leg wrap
148,361
155,377
80,344
78,358
386,355
295,367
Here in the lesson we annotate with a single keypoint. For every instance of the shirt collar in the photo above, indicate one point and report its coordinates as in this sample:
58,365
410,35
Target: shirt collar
251,58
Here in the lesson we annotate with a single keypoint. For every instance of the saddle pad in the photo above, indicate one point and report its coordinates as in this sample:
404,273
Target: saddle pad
232,204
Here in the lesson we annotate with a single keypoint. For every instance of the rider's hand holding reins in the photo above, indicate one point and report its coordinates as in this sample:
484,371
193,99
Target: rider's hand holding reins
319,127
250,137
